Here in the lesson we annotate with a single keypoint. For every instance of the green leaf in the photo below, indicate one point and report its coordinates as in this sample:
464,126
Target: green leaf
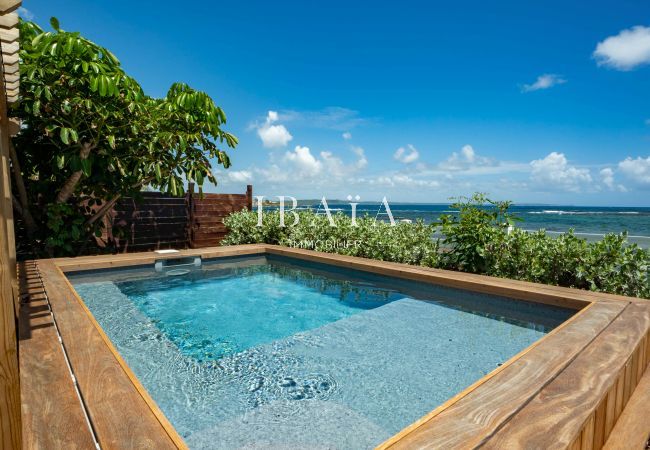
172,185
60,161
157,172
103,86
111,141
55,23
64,134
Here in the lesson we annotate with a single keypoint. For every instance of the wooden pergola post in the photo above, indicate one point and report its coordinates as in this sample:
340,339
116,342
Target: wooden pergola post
10,423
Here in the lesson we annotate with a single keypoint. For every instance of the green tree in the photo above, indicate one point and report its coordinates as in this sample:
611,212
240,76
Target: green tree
91,135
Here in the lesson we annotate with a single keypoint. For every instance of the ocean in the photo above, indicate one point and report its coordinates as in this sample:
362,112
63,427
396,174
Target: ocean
590,222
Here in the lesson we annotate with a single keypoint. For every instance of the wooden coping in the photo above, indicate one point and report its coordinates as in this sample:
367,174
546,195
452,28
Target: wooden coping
566,390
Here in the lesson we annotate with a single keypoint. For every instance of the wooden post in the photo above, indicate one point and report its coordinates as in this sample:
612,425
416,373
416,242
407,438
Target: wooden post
249,197
10,425
190,215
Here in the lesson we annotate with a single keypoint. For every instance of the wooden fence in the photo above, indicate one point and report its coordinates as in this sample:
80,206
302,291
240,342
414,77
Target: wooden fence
157,221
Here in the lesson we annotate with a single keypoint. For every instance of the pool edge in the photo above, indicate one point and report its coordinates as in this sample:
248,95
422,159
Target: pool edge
571,298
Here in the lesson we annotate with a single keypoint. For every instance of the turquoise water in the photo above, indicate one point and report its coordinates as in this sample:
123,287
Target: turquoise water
272,352
589,222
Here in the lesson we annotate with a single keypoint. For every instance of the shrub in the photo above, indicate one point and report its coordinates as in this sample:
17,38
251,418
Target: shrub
476,240
408,243
471,234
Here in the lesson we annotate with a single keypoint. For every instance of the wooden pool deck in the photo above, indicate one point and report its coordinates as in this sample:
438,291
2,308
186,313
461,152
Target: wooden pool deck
582,386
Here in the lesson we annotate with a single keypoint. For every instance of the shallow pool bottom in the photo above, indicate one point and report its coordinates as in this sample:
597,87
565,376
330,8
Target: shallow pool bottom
291,375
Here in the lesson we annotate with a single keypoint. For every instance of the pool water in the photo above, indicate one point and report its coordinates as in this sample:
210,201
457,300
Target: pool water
260,352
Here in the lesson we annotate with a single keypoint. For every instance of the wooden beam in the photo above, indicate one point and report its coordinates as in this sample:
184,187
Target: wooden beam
10,420
8,57
12,77
9,35
11,68
14,126
7,6
10,49
8,20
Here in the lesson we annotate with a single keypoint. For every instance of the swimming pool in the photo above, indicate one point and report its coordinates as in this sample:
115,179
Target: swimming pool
265,350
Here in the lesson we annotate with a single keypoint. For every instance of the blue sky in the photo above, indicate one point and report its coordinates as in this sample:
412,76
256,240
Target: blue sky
534,102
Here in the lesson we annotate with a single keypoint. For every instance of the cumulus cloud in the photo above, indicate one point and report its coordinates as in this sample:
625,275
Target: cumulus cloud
554,172
636,170
301,165
362,161
406,155
548,80
303,161
240,176
466,159
626,50
347,135
607,178
273,136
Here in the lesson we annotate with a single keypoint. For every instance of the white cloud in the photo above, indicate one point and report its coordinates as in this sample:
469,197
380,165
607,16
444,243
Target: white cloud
545,81
636,170
406,156
362,161
303,161
607,177
240,176
555,173
301,165
625,51
465,160
273,136
347,135
399,180
26,13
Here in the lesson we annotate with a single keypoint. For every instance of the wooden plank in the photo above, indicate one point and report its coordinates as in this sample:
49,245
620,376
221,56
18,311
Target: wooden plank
7,6
10,422
563,407
610,411
470,420
587,437
9,34
218,209
632,430
52,415
599,423
220,197
103,377
210,228
130,259
8,20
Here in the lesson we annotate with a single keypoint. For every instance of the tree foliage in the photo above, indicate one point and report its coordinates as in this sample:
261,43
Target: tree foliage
90,135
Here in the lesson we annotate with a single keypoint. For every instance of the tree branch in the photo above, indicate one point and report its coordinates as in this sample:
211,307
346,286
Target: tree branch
30,224
71,183
17,207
